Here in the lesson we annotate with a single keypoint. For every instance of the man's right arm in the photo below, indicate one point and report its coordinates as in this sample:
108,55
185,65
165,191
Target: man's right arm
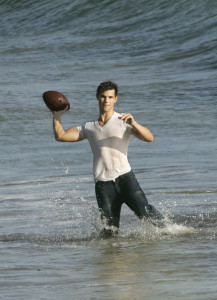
70,135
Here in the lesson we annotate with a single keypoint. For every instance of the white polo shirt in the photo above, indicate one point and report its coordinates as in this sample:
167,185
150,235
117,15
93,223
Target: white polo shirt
109,145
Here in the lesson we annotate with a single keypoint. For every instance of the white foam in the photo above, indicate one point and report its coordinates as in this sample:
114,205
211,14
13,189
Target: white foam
176,229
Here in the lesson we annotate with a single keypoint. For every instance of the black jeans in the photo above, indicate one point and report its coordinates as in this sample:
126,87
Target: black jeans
111,195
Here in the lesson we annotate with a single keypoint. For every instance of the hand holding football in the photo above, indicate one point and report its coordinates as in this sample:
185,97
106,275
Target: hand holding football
56,101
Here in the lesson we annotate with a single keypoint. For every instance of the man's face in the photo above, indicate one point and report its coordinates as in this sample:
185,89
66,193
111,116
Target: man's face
107,100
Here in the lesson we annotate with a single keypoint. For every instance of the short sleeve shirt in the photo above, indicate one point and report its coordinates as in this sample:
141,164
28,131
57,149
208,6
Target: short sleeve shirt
109,145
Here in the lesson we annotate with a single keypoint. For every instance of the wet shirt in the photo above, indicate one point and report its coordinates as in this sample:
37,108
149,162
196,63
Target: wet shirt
109,145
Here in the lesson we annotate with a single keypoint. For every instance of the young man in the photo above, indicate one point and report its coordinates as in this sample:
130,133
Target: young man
109,136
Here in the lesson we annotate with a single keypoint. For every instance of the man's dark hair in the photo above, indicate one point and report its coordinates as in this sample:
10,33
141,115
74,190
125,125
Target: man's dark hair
105,86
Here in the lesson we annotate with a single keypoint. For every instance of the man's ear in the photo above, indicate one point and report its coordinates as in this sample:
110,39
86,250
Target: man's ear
116,99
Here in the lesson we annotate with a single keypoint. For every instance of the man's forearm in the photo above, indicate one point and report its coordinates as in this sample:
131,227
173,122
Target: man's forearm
57,127
141,132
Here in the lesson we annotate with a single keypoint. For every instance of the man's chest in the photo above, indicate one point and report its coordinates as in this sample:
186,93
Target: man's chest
97,133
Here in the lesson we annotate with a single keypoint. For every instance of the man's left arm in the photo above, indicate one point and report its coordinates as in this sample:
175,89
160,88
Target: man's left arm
139,131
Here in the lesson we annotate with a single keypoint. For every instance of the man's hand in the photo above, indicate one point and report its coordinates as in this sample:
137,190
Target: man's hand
139,131
58,114
127,118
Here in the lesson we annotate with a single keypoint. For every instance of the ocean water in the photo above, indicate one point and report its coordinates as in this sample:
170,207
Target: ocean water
162,54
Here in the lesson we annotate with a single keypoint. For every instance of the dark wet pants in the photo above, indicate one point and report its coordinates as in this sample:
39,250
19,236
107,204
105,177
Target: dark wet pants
125,189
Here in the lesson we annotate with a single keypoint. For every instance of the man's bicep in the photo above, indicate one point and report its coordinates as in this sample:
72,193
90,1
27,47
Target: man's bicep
72,135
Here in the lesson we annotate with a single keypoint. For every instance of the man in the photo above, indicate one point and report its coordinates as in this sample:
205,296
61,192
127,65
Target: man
109,136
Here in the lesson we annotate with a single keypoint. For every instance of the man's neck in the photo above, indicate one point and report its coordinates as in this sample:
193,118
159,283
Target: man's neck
105,117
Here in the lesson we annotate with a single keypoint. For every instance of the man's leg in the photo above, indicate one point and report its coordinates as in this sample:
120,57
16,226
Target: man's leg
109,205
135,198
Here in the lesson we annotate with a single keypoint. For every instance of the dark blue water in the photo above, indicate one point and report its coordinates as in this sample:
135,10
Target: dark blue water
162,54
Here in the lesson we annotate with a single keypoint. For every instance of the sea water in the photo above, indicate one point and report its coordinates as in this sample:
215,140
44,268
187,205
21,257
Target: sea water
162,54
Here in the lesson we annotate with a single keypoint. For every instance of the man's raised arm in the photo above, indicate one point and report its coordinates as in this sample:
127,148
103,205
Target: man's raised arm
70,135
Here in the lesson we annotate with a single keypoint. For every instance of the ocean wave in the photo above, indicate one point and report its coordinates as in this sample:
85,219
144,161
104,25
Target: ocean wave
149,34
162,31
166,20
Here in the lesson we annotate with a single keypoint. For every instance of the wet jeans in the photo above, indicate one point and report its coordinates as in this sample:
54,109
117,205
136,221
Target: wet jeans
125,189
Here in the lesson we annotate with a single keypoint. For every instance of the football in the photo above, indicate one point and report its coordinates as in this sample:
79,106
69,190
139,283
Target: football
55,101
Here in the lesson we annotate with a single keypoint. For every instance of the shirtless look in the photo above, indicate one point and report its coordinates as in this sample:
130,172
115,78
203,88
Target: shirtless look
109,137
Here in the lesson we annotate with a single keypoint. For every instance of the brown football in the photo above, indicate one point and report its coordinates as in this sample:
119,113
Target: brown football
55,101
